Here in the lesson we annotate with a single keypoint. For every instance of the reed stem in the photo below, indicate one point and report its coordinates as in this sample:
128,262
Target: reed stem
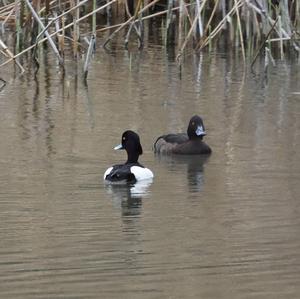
52,44
247,23
88,56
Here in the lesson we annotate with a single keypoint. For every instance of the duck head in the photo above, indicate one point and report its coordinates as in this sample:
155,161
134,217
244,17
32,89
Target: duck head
131,143
196,128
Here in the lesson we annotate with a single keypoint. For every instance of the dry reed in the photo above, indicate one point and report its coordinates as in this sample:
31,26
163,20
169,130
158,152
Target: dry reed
248,26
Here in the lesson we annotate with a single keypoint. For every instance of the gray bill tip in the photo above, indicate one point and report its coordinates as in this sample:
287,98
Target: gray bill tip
200,131
118,147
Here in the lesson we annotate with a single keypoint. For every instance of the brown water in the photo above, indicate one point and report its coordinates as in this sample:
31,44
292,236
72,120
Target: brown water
224,227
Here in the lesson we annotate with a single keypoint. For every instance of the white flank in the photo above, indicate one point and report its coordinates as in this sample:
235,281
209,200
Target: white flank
107,172
141,173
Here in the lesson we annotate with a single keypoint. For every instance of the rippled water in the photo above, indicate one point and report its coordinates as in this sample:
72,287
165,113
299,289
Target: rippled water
223,227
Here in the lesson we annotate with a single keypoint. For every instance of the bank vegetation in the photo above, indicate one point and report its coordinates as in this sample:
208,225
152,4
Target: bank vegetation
249,27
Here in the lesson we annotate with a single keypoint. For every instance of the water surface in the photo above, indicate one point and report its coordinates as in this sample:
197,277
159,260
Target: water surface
227,226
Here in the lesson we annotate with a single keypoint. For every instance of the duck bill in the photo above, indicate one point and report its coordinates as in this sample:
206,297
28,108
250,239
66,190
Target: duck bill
119,147
200,131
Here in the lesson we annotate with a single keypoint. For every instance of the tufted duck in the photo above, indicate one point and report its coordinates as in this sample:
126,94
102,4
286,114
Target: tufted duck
132,171
184,144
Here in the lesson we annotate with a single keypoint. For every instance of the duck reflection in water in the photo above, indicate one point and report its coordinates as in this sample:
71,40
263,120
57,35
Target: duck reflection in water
129,182
129,196
193,165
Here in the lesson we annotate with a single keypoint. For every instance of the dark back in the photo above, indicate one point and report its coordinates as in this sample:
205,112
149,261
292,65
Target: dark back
121,172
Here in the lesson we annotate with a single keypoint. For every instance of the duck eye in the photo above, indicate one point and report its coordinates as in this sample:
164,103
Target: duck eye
124,138
193,123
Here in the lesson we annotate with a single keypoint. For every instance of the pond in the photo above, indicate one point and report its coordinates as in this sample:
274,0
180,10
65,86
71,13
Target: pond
227,226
